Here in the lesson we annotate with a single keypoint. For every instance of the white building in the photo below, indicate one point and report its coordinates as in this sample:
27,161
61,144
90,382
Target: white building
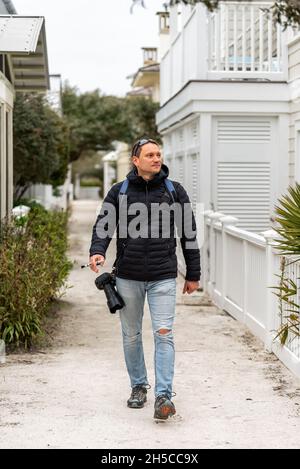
230,119
23,67
145,82
61,197
229,107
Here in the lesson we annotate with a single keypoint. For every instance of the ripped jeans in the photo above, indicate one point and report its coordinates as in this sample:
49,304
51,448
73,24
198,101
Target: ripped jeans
161,297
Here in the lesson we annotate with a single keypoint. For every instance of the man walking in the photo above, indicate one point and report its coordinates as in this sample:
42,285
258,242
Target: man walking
147,264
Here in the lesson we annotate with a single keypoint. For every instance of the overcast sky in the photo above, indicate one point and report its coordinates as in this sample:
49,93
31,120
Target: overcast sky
95,43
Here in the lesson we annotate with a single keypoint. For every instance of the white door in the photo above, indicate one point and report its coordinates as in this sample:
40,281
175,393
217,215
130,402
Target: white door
244,161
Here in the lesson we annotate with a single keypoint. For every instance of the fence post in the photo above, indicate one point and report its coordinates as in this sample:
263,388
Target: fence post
226,221
206,250
211,254
214,218
271,280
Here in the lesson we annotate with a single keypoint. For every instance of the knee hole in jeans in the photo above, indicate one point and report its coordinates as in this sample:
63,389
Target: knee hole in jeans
163,331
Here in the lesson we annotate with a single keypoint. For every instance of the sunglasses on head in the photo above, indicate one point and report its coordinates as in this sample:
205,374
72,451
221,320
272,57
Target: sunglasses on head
140,143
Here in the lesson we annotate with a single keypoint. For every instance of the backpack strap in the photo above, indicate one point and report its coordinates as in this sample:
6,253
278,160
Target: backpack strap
169,186
171,189
124,187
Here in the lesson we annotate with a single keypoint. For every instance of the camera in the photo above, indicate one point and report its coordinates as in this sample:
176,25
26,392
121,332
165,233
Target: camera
107,282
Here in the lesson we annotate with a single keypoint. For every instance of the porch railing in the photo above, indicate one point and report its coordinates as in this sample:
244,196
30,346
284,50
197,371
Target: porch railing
239,40
243,37
239,269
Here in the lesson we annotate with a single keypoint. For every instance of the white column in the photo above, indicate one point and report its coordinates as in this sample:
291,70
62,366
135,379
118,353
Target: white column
205,167
173,22
285,54
2,164
202,42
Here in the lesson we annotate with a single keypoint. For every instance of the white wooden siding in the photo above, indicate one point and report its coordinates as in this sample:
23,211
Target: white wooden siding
6,159
294,76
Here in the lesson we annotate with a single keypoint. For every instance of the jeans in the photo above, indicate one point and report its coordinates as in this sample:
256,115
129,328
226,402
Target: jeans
161,297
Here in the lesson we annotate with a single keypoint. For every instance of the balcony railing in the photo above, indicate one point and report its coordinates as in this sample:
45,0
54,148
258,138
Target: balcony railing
239,40
243,37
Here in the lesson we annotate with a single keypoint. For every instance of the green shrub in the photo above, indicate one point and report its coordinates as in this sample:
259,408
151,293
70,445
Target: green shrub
33,267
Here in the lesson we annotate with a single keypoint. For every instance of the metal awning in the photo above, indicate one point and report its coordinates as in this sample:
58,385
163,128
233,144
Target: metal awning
23,38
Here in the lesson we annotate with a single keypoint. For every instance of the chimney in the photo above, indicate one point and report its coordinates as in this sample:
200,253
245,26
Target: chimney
150,55
164,33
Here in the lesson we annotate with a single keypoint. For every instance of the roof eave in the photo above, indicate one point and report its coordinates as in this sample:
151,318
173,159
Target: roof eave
30,65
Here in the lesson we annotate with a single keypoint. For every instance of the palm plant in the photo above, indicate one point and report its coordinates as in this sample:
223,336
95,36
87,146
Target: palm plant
288,244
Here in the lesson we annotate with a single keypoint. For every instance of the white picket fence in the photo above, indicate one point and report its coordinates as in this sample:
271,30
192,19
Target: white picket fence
239,268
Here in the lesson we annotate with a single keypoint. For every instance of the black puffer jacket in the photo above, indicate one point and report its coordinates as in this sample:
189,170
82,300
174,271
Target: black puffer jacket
146,259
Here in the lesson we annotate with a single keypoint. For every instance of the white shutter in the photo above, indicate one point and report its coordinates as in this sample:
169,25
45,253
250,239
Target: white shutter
180,138
244,149
193,179
243,131
180,169
243,191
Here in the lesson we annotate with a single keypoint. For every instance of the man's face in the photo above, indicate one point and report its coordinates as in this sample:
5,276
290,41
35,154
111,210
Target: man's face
150,159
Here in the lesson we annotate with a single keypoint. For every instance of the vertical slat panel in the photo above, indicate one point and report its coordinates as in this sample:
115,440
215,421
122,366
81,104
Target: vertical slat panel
235,38
261,39
270,42
278,46
256,304
234,271
217,39
226,19
244,36
252,38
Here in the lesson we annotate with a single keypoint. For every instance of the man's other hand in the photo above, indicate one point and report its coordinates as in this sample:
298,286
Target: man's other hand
190,287
93,261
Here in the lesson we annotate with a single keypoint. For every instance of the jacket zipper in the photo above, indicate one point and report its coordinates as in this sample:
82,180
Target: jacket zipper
146,250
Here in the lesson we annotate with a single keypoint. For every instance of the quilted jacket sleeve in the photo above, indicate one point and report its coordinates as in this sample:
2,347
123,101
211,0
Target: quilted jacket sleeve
188,235
106,222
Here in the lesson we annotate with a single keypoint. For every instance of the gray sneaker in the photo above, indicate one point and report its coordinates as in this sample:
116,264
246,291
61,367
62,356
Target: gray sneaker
138,397
163,407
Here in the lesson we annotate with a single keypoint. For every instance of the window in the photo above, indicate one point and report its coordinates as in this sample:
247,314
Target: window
4,67
7,70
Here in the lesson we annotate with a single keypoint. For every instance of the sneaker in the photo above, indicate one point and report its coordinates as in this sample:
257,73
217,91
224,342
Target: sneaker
163,407
138,397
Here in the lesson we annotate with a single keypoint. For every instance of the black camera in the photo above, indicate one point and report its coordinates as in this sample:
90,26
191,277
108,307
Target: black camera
107,282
